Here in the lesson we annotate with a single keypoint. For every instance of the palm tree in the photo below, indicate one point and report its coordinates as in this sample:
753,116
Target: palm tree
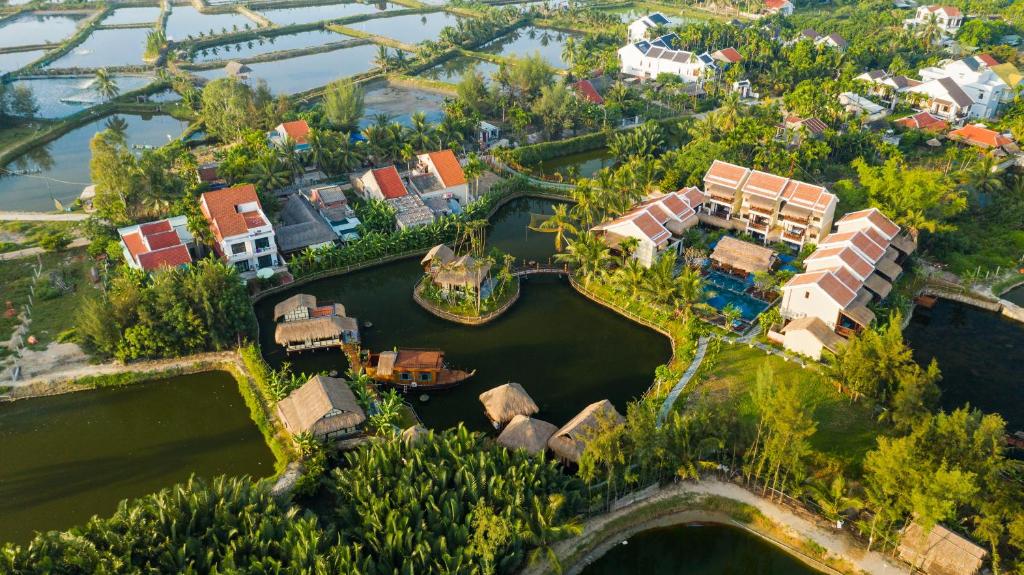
105,84
550,530
350,154
118,128
321,148
631,275
473,169
289,156
383,58
729,112
569,52
560,223
690,286
983,180
420,132
376,142
268,173
588,254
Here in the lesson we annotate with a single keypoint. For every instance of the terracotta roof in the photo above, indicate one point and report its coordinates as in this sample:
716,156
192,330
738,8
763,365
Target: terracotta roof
775,4
419,359
950,11
587,91
161,240
729,54
220,208
867,245
726,174
390,183
924,121
448,168
849,280
828,283
297,130
814,125
171,257
650,227
988,59
883,224
979,135
847,256
806,195
155,227
134,243
692,196
765,185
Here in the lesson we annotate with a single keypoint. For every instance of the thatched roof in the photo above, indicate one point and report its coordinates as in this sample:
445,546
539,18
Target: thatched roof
504,402
940,551
234,68
742,255
442,253
297,300
568,442
413,434
321,406
527,433
465,271
313,329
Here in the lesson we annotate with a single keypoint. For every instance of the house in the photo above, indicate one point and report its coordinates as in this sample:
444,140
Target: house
947,18
411,211
649,59
243,236
569,441
979,136
640,28
302,227
296,131
886,86
209,175
488,134
986,89
333,206
784,7
439,174
811,337
593,89
727,56
793,128
656,224
1010,75
924,121
945,98
304,325
381,184
831,40
154,245
323,406
939,551
862,107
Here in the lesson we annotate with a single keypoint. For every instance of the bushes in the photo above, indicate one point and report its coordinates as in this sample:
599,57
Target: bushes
531,155
260,402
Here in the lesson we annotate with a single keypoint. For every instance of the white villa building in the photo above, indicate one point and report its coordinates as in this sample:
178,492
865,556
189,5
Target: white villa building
640,28
947,18
439,174
243,235
657,224
784,7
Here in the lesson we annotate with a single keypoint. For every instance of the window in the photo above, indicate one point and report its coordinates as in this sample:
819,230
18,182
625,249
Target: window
262,244
807,295
238,248
242,266
405,376
425,377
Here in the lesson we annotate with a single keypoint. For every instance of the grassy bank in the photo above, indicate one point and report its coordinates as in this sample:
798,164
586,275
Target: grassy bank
51,308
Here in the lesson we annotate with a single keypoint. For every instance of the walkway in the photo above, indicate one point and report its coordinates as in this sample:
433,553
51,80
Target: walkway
698,358
29,252
42,217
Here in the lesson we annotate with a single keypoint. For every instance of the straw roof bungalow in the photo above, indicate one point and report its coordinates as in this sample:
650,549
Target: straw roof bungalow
568,442
739,256
296,302
234,68
327,331
323,406
940,551
465,272
527,433
438,255
504,402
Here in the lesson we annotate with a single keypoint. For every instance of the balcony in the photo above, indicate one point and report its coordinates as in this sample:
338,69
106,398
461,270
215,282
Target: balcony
721,198
792,236
795,220
757,226
760,210
266,248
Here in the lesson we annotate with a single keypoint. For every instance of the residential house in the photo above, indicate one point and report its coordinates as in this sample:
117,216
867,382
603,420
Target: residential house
381,184
302,227
979,136
975,77
924,121
209,175
793,128
640,29
243,236
657,224
862,107
297,131
944,98
784,7
324,407
648,59
947,18
727,57
592,89
154,245
439,174
411,211
333,206
834,41
887,86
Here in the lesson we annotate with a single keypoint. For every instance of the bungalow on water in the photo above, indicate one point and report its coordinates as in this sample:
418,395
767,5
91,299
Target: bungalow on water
323,406
305,325
569,442
407,369
527,433
504,402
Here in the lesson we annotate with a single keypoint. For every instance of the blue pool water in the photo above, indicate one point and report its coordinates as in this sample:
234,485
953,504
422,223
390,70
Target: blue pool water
730,290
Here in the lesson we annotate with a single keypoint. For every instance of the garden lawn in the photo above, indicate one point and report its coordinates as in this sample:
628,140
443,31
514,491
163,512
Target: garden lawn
17,235
52,313
846,430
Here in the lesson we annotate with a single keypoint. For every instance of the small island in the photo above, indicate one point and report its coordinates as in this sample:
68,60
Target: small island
466,289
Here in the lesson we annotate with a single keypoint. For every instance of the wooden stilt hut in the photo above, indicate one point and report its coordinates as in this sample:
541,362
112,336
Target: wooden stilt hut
569,441
527,433
323,406
305,325
504,402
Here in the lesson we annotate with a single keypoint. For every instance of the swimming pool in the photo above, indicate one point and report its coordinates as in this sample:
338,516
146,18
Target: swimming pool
729,290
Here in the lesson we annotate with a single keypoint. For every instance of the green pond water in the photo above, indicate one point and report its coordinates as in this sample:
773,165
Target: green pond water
584,164
293,75
69,457
306,14
696,550
529,40
61,96
979,354
1016,295
252,48
29,29
565,350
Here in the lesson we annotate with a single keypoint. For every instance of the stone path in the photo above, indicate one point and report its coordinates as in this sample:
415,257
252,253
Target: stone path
698,358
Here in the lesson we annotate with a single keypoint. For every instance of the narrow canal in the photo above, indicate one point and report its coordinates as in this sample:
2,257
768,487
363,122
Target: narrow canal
68,457
565,350
696,550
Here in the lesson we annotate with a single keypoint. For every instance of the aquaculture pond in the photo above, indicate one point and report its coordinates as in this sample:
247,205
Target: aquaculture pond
68,457
453,70
60,96
584,164
38,28
565,350
293,75
306,14
17,60
137,15
408,28
529,40
978,352
697,549
103,48
60,169
259,46
399,103
184,20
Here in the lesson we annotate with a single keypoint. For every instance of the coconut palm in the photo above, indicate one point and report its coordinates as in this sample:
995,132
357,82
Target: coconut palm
561,223
420,133
349,154
118,128
588,254
383,58
550,529
689,286
268,173
105,84
631,276
289,156
473,169
321,148
729,112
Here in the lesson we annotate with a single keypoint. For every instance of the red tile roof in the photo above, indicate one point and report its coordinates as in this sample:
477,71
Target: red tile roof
448,168
220,209
297,130
162,240
924,121
979,135
693,196
860,240
765,185
170,257
883,224
729,55
775,4
828,283
849,280
951,11
846,256
587,91
988,59
390,183
134,243
726,174
651,228
155,227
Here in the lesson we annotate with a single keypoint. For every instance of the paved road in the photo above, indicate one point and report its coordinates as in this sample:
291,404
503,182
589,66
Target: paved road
29,252
42,217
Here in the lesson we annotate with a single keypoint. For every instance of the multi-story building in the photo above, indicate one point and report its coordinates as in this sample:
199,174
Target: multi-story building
640,29
296,131
657,224
947,18
153,245
439,175
243,236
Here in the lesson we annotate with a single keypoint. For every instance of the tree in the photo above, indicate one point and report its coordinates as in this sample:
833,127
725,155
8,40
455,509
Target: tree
420,132
269,173
561,224
230,107
473,169
20,101
916,198
383,58
472,89
588,254
553,108
105,84
344,104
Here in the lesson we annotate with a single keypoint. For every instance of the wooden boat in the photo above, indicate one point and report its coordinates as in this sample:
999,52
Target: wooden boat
414,369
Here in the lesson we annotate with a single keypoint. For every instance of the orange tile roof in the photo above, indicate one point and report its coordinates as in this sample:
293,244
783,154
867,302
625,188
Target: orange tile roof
924,121
220,209
849,280
726,174
979,135
297,130
134,243
588,92
155,227
448,168
775,4
844,255
828,283
730,54
390,183
651,228
807,195
860,240
161,240
765,185
168,257
693,196
876,218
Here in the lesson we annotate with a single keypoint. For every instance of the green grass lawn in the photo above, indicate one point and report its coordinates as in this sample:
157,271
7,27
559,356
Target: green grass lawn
16,235
846,431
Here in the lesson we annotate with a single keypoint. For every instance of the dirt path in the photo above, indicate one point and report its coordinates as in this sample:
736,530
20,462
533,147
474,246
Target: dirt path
42,217
29,252
665,509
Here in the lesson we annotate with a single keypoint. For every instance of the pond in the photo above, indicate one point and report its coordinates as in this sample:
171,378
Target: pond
71,456
975,350
565,350
1016,295
60,169
678,17
529,40
105,48
62,96
408,28
17,60
306,14
293,75
697,549
453,69
584,164
185,21
30,29
399,103
259,46
137,15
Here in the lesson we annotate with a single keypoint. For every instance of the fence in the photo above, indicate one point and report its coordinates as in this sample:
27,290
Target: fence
19,345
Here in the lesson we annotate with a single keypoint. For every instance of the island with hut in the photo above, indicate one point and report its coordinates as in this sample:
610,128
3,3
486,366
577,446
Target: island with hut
504,402
466,289
413,369
302,324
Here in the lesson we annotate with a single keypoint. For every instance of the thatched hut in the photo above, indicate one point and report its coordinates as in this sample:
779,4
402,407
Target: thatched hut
569,441
527,433
940,551
237,69
741,258
411,435
504,402
464,273
295,308
316,333
439,255
323,406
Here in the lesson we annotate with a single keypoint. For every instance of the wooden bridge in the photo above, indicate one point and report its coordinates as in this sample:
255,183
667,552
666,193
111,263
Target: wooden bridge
538,269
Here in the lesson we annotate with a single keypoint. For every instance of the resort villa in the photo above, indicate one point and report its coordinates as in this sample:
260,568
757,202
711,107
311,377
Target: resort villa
296,131
153,245
333,206
657,225
453,274
439,175
640,29
647,59
324,407
243,236
947,18
386,184
302,324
